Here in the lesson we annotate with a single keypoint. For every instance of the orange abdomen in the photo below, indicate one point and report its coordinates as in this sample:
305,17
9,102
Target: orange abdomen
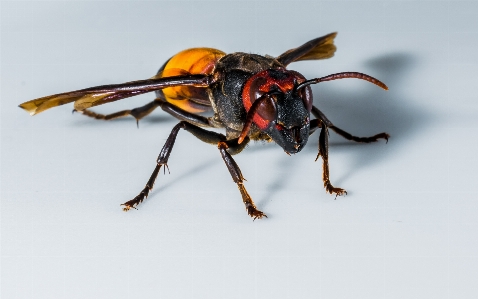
191,61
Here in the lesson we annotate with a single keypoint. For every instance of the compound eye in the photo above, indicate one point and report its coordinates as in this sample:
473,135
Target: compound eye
254,90
306,94
268,109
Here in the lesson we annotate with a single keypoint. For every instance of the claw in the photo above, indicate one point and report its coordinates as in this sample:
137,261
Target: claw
259,216
386,137
333,190
137,200
255,213
127,207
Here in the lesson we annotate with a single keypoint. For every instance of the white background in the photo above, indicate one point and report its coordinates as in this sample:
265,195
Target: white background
408,227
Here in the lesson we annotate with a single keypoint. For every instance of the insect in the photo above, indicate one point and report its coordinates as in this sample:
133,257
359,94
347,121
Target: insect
252,97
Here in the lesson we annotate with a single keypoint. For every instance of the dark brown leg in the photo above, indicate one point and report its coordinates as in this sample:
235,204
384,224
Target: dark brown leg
140,112
137,113
160,162
314,125
324,153
239,180
226,147
191,118
145,192
317,113
360,139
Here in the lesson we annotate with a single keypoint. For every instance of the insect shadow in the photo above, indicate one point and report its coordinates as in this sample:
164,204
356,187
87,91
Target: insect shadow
369,112
194,171
363,113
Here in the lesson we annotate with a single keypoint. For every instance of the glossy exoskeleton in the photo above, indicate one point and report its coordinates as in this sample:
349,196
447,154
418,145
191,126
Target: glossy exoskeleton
253,97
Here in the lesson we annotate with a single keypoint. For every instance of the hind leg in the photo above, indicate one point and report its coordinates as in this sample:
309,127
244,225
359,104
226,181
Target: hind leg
137,113
140,112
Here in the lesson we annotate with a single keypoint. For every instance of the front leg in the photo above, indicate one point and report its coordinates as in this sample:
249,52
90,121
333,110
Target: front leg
237,176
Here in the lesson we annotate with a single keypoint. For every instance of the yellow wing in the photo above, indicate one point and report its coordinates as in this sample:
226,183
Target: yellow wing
319,48
94,96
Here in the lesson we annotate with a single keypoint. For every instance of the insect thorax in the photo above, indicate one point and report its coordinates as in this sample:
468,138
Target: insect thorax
233,70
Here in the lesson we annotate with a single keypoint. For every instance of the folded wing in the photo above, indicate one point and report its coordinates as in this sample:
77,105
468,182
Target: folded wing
94,96
319,48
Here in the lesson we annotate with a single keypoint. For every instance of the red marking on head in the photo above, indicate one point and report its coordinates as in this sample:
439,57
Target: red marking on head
263,82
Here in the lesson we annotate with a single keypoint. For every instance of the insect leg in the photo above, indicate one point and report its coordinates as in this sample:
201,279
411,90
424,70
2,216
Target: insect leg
191,118
206,136
140,112
137,113
317,113
360,139
314,125
160,162
226,147
236,175
324,153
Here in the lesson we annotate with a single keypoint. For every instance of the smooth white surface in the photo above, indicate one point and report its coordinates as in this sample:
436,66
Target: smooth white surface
407,229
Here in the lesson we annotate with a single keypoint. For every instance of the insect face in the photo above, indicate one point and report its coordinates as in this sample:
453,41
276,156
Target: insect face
291,129
285,112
